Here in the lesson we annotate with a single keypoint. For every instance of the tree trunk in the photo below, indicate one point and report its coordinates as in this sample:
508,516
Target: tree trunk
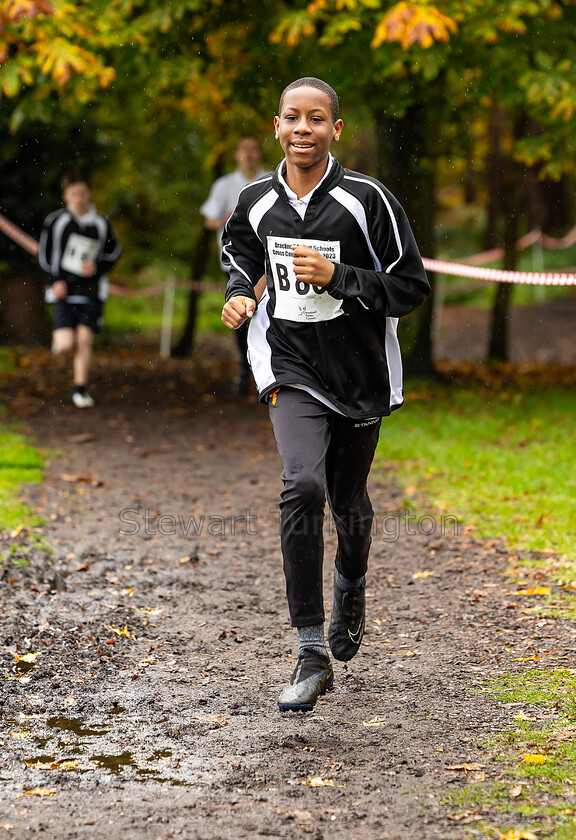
495,176
185,344
498,350
405,166
23,315
511,201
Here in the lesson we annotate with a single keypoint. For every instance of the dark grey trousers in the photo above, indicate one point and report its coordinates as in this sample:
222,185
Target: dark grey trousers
324,455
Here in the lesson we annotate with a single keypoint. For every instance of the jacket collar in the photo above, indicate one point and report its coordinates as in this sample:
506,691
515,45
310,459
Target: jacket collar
328,182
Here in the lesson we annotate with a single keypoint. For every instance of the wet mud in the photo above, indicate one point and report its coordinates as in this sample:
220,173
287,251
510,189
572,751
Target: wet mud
144,635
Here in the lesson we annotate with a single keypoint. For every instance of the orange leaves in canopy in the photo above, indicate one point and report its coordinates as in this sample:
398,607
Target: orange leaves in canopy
414,23
51,39
60,59
11,11
293,27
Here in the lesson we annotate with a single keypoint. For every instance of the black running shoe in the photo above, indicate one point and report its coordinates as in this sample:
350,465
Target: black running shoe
347,623
312,676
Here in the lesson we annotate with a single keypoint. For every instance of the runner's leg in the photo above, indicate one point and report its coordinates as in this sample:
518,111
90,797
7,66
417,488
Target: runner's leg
348,461
63,340
83,356
301,427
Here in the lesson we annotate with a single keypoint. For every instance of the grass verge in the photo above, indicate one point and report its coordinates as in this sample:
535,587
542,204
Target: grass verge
500,459
19,463
495,450
532,765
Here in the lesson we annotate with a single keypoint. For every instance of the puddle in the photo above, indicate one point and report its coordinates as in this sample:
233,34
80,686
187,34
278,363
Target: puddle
160,754
40,742
151,775
113,763
75,725
22,667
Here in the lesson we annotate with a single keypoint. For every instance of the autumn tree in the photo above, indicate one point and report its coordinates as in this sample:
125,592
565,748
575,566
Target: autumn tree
165,89
421,68
155,95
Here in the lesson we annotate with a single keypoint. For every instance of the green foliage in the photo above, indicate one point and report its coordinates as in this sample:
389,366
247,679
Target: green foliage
142,316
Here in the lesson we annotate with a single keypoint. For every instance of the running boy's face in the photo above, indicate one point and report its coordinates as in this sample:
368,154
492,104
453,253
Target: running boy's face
306,128
77,198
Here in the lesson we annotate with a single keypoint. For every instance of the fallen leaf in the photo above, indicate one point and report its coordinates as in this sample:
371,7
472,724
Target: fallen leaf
515,791
373,723
422,574
536,590
517,834
221,719
83,437
463,816
467,768
317,781
123,632
40,792
534,759
64,765
28,657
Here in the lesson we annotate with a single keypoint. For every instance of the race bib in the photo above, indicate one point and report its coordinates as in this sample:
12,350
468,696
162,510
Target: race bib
78,249
295,300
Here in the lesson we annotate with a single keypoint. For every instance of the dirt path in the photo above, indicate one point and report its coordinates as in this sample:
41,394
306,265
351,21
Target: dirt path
162,635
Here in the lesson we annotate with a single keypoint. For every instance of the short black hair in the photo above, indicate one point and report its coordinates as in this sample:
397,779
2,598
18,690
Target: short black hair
74,176
311,81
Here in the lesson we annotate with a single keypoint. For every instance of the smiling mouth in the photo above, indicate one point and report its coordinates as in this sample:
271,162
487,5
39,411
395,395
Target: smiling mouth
303,145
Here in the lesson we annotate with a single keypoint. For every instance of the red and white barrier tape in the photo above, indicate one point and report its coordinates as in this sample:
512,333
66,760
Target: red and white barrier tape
18,236
497,275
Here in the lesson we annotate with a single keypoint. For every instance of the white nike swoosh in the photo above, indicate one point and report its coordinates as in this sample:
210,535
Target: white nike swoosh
355,637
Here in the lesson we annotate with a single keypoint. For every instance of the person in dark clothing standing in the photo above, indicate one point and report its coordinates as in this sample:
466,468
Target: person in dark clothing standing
77,248
342,266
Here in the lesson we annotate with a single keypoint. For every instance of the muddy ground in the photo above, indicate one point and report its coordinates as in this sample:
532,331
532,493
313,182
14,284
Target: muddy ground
160,639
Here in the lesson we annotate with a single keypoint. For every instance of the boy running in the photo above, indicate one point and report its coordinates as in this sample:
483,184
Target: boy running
77,247
342,266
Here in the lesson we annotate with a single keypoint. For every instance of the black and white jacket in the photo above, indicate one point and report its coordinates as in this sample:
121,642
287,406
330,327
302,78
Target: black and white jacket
66,241
339,342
